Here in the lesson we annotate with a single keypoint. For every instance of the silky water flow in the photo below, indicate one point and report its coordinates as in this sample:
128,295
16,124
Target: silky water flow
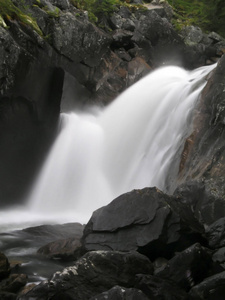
102,153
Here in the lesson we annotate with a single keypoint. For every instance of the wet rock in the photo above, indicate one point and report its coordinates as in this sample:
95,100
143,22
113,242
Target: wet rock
55,232
158,288
4,266
65,249
188,267
211,288
94,273
121,293
137,68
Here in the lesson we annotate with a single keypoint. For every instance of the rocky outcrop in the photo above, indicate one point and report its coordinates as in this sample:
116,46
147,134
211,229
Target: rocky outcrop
205,158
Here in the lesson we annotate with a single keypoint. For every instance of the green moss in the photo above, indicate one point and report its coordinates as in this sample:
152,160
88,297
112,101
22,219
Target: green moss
8,11
54,14
98,9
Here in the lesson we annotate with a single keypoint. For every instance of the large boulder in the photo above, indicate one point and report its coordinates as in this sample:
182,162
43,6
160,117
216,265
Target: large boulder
140,220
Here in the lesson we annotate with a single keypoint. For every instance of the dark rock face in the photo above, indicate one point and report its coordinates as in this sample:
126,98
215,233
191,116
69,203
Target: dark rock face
27,126
203,155
93,274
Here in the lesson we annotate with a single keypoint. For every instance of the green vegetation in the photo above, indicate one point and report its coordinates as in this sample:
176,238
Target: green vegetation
8,11
96,8
207,14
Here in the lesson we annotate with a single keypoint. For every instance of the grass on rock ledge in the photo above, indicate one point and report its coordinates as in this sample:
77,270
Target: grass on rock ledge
10,12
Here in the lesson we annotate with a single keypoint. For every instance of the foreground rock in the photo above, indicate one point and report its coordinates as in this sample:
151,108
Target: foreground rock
173,231
94,273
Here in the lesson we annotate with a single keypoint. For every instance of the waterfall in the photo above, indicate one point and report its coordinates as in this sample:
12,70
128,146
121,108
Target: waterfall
102,153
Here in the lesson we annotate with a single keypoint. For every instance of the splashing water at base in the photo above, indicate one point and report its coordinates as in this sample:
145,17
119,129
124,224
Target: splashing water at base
130,144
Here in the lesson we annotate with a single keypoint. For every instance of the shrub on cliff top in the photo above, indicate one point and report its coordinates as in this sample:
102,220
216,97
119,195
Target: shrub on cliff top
207,14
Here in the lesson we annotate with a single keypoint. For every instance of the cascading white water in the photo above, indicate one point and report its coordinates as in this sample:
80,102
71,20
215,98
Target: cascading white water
130,144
